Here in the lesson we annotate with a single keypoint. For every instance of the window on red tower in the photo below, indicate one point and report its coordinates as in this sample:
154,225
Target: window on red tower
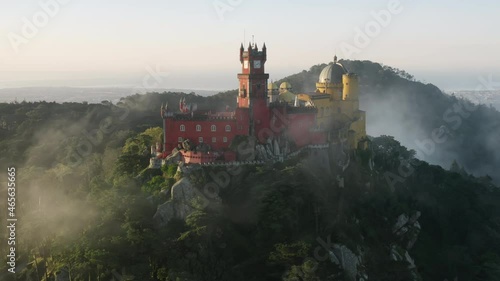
214,139
198,128
200,139
228,128
243,91
224,139
180,139
213,128
183,128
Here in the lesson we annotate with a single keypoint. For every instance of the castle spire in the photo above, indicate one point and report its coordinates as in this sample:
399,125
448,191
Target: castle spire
335,59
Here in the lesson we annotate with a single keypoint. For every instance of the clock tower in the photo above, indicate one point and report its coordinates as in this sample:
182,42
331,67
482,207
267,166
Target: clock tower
253,86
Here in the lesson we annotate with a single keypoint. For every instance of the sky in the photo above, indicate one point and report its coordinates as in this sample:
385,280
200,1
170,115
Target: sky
194,44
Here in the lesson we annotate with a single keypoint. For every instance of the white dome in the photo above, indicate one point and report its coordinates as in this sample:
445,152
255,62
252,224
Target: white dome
332,73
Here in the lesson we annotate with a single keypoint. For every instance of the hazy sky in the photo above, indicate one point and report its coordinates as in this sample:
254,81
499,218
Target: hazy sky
98,43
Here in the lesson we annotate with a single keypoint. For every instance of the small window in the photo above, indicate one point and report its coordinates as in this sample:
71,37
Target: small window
240,127
228,128
213,128
200,139
183,128
214,139
224,139
180,139
198,128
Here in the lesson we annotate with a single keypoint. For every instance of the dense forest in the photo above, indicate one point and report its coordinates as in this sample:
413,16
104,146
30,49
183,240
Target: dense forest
90,209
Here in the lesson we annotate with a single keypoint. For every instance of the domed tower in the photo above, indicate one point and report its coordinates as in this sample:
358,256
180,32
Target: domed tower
285,87
286,94
272,92
330,80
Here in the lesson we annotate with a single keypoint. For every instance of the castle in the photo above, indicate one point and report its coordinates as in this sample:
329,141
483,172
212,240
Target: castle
275,120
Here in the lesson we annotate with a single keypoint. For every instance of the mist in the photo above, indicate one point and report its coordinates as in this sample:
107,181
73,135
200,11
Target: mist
438,135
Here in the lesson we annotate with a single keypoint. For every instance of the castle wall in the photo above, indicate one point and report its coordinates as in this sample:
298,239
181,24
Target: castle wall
225,130
300,127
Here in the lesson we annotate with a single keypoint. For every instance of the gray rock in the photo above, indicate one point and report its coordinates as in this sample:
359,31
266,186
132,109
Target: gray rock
276,149
269,152
348,261
402,221
175,157
184,199
413,235
415,217
400,254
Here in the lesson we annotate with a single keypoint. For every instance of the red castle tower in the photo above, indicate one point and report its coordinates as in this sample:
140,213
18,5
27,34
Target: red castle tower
253,87
205,137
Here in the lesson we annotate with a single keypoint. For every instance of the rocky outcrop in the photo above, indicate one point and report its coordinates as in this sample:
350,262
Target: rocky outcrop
400,254
407,228
400,223
348,261
174,157
185,198
268,151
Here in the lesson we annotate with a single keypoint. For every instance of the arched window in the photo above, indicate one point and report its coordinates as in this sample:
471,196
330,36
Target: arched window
224,139
180,139
228,128
198,128
213,128
183,128
200,139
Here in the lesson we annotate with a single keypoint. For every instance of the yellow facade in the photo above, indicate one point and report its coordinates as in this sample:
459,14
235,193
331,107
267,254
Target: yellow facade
337,100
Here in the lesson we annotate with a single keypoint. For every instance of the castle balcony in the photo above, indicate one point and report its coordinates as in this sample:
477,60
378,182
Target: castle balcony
191,157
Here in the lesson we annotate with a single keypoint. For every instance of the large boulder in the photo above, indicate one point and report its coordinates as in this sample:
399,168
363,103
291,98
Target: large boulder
185,198
407,228
348,261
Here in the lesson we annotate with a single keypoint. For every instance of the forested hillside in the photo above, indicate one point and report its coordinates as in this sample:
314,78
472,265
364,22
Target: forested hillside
441,128
89,207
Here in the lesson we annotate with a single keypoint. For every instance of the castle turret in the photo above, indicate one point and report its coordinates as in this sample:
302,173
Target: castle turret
286,94
242,49
351,86
272,92
253,90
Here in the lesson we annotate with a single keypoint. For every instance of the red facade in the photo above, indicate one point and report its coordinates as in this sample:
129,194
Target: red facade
216,130
252,117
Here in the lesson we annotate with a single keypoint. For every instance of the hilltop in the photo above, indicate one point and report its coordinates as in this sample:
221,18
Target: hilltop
441,128
92,209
